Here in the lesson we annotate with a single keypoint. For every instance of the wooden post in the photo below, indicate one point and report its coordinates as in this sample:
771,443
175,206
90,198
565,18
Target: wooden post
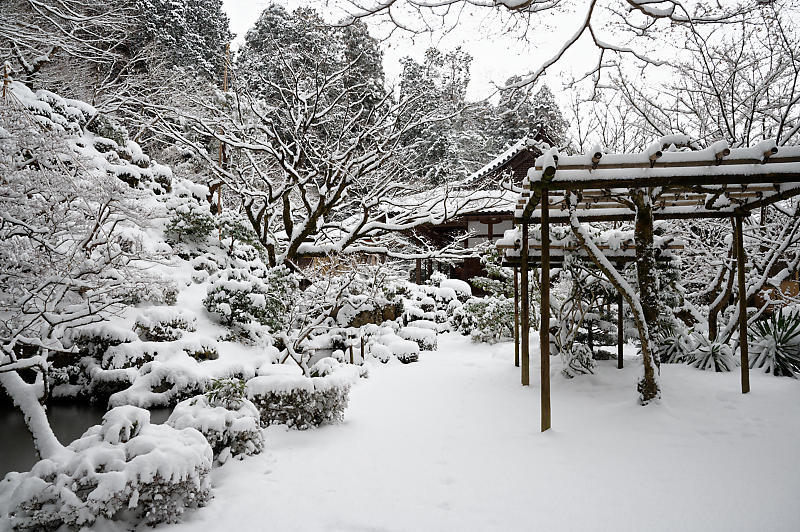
516,317
525,332
742,307
363,356
620,331
351,349
544,328
419,271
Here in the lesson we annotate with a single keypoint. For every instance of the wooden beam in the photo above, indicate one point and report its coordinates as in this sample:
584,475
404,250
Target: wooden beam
666,180
544,328
516,316
675,164
525,302
742,307
629,216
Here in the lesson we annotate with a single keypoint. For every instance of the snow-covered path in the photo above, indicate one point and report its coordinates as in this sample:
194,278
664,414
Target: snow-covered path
453,443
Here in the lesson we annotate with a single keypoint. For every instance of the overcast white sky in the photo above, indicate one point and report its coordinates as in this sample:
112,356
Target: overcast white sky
497,50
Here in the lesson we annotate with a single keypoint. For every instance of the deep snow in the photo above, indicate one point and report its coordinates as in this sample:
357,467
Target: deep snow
453,443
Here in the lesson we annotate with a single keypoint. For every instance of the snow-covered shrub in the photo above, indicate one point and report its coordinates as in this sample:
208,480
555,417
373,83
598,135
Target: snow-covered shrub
241,298
208,264
300,402
381,353
132,355
675,345
424,338
201,350
709,354
424,324
229,421
775,345
235,228
124,468
578,360
93,340
324,367
190,217
487,319
461,288
164,324
406,351
164,292
228,393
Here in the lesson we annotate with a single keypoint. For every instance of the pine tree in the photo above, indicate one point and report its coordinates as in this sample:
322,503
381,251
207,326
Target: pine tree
438,86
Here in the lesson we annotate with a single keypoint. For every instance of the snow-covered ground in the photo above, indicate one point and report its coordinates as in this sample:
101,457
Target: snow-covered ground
453,443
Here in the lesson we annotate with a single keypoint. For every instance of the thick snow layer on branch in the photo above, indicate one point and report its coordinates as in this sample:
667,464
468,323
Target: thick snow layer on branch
119,157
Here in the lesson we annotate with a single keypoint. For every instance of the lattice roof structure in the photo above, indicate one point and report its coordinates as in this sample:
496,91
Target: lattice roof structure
663,182
716,182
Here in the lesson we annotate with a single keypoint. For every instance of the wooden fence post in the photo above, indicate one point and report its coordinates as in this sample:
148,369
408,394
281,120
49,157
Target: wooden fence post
742,307
620,331
516,316
525,332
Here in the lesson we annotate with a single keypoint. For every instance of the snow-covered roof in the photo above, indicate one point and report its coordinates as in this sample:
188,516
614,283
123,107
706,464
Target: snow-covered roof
714,182
535,143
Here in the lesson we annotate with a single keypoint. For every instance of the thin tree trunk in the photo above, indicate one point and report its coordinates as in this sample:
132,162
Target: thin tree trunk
648,289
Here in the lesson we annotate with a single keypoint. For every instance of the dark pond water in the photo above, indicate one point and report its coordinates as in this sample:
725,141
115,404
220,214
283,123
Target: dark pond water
69,422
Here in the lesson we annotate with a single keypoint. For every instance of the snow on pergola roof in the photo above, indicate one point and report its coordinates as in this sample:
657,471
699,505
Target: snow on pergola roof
715,182
618,245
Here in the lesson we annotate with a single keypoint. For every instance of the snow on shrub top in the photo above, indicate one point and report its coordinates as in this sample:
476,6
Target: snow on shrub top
344,375
104,331
413,333
164,323
199,413
457,285
399,346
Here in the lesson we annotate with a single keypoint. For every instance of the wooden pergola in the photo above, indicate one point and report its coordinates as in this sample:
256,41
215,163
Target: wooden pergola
662,183
619,255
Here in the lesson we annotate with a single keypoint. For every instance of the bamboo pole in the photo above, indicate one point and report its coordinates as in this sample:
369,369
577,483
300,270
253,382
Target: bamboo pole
544,328
525,333
6,80
620,331
516,316
742,307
